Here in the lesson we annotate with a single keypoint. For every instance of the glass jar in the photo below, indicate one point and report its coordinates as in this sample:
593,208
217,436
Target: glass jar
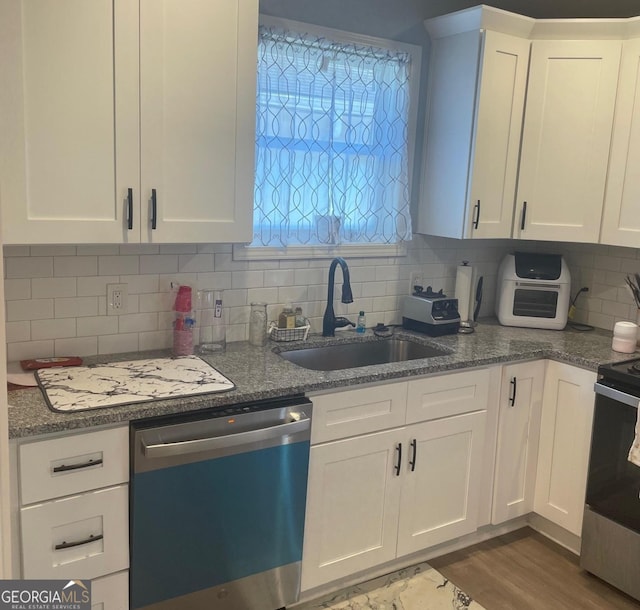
258,324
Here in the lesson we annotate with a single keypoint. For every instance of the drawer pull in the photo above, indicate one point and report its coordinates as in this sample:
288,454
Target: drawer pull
65,468
68,545
414,447
399,463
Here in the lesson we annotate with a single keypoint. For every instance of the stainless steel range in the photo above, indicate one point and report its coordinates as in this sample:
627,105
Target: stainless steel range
611,527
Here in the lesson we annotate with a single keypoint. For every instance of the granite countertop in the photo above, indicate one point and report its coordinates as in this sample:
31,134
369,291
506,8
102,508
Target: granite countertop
260,373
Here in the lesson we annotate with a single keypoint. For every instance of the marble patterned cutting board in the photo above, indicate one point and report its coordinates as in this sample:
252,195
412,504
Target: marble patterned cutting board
97,386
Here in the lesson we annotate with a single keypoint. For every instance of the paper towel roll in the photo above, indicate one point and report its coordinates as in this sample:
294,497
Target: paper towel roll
464,283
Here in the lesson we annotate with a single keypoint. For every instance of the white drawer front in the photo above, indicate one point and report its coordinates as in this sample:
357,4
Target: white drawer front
447,395
74,520
110,592
73,464
356,412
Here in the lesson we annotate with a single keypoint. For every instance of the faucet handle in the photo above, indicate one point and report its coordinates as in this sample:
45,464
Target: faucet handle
341,321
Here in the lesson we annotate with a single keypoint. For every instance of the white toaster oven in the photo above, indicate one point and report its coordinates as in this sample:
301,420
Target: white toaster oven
533,291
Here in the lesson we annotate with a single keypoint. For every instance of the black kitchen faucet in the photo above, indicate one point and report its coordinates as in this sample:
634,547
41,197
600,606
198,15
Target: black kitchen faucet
329,321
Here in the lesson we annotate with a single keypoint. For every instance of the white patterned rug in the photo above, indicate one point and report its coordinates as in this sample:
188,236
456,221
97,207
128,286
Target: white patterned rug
419,587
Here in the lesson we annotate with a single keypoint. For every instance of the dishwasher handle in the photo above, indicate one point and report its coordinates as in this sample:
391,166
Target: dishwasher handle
172,449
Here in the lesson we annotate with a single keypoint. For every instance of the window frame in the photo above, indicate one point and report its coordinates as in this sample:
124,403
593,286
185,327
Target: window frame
244,251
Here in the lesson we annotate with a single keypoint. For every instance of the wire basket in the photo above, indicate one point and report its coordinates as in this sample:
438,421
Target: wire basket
299,333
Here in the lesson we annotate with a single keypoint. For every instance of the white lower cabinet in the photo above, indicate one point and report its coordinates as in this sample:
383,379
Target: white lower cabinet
110,592
375,497
565,439
518,437
74,511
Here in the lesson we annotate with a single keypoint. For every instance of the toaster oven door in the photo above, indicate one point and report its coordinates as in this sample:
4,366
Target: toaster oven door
535,302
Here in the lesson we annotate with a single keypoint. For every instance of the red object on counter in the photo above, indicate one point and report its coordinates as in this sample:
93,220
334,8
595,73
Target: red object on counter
183,299
46,363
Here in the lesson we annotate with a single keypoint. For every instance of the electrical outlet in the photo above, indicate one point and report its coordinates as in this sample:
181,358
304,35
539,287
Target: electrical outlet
415,279
117,297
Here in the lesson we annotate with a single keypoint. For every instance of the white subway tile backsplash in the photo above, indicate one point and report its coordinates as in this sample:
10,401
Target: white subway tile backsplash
281,277
98,250
53,329
10,251
137,322
160,263
139,284
52,292
15,290
75,266
139,249
52,250
76,307
29,349
49,288
247,279
160,301
114,344
161,339
261,295
18,331
214,280
118,265
96,286
83,346
178,249
28,267
97,325
32,309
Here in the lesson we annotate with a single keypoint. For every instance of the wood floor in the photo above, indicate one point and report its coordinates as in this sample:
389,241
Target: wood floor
526,571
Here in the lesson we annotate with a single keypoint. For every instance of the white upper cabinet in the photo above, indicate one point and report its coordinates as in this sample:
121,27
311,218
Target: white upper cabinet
566,138
107,103
621,218
477,84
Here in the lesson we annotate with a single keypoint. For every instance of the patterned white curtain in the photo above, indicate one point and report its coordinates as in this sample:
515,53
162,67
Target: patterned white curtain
331,147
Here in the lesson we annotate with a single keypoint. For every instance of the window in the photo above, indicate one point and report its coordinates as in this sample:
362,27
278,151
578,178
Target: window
334,126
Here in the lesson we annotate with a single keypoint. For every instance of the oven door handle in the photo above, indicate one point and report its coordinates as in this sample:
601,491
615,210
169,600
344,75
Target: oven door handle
162,450
617,395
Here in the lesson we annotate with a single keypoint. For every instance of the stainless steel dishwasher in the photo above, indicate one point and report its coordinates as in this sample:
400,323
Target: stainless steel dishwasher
217,507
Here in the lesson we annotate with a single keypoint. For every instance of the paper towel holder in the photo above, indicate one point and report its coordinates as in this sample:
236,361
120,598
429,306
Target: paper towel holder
466,326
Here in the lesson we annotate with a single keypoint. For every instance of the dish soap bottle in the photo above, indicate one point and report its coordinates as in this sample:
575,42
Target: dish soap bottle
287,317
361,325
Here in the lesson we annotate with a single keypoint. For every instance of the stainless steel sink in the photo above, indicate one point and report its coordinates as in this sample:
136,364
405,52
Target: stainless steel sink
362,353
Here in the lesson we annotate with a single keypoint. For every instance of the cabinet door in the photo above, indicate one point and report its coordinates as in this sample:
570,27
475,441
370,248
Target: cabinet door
566,137
110,592
565,438
197,101
621,219
352,507
498,127
442,471
69,119
518,437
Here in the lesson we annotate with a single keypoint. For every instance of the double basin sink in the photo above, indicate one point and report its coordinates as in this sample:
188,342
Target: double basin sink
361,353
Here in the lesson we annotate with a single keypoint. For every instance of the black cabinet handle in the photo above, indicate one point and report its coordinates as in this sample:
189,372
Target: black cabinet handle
65,468
512,394
68,545
154,209
397,466
130,209
524,215
476,214
414,448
